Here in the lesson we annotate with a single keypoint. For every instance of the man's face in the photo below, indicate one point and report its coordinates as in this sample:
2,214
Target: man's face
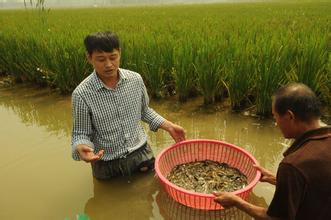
286,122
106,64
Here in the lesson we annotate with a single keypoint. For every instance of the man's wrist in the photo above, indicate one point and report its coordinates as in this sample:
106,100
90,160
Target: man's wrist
166,125
273,180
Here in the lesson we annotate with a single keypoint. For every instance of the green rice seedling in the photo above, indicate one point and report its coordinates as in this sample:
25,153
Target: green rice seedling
167,54
326,91
240,79
9,51
20,62
30,62
272,64
71,69
208,66
311,66
183,71
7,57
132,54
152,69
152,58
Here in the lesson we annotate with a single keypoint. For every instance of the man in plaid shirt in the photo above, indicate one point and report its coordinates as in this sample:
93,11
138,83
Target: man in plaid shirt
107,108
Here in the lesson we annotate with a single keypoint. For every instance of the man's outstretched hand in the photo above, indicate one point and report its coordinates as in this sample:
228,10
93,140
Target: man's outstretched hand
86,153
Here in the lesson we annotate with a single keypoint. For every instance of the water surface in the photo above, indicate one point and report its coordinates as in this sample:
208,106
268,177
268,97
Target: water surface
39,180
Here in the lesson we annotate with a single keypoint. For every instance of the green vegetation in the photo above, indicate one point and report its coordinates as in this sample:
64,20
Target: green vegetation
238,51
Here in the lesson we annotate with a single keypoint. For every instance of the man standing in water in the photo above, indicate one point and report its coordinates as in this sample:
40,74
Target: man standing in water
303,181
107,109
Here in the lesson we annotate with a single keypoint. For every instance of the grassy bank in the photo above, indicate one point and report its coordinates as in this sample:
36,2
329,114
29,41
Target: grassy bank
237,51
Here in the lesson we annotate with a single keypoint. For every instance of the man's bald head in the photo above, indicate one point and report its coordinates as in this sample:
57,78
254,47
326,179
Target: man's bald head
299,99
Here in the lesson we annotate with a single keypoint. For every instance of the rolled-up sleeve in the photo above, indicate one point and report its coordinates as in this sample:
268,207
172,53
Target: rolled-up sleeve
82,127
148,115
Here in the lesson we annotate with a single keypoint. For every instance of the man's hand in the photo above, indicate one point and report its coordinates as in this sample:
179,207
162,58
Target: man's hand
86,153
267,176
226,199
176,131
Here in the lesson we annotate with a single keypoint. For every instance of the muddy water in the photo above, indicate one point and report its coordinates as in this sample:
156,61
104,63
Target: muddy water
39,180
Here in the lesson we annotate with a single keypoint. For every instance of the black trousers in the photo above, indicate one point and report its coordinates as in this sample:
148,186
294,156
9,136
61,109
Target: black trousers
142,157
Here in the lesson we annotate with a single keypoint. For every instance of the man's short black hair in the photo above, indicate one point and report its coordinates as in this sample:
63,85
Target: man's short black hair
101,41
299,99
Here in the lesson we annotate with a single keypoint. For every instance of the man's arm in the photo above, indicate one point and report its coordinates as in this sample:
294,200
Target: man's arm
82,147
228,200
267,176
156,121
175,131
148,115
285,203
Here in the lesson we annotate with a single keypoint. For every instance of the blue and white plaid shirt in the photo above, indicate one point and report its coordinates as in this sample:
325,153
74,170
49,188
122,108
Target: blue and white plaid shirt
109,119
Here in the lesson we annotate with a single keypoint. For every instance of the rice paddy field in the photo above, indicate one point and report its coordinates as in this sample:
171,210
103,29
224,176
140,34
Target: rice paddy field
236,52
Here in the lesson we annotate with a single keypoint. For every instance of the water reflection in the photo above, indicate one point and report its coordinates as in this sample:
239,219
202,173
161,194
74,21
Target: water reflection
140,197
123,198
172,210
39,107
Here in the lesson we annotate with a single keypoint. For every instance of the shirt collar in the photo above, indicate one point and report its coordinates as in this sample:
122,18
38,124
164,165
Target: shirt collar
315,134
97,82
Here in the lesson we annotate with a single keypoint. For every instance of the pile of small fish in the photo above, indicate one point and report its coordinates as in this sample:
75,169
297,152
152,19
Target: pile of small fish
207,176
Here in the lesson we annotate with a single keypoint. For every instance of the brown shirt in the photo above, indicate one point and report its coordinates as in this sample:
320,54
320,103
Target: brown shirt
303,187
